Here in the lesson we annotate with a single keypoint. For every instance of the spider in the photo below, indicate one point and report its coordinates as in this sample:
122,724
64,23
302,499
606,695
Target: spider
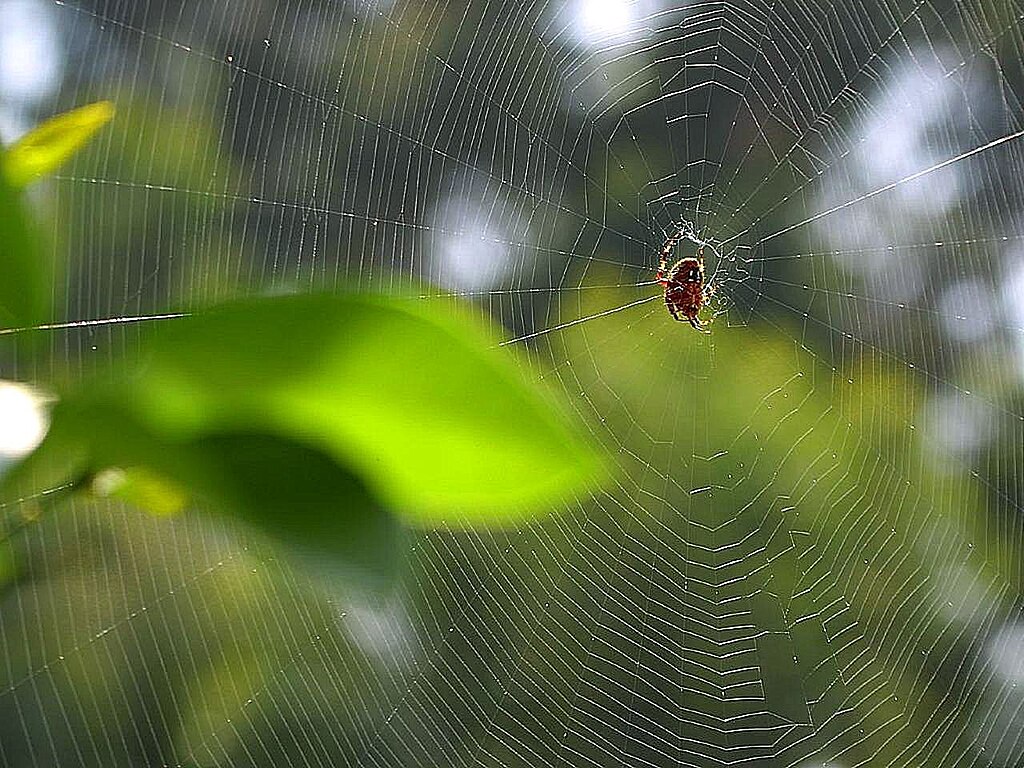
683,283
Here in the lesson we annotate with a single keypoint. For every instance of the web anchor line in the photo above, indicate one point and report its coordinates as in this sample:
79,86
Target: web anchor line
577,321
125,320
892,185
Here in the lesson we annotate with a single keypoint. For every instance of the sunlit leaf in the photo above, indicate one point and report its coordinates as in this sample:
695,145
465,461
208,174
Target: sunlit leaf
415,396
48,146
25,275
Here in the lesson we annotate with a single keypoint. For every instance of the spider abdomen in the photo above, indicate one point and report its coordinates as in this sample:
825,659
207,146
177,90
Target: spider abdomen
686,298
684,290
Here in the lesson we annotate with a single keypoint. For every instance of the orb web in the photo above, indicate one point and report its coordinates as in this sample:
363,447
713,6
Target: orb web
808,552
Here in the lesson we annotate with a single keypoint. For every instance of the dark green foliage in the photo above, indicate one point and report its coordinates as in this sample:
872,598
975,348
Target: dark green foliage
26,279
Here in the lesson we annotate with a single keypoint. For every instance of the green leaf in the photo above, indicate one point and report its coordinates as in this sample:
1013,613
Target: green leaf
26,278
290,491
415,396
298,413
48,146
302,498
8,565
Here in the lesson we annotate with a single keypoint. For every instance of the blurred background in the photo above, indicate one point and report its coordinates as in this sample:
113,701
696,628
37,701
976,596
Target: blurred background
810,551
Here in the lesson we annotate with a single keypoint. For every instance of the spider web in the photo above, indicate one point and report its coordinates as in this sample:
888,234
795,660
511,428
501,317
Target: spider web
809,551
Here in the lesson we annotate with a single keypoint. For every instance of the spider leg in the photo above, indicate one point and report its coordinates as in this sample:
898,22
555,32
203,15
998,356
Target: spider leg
672,309
697,324
662,278
666,251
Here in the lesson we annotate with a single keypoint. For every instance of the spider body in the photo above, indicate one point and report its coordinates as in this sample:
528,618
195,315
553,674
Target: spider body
683,283
684,290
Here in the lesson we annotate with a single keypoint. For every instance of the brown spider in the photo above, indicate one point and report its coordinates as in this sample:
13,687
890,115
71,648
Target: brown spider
683,283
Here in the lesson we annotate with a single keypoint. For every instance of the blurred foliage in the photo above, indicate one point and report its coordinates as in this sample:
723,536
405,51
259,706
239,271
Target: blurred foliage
141,488
262,407
800,494
49,145
26,274
26,279
295,414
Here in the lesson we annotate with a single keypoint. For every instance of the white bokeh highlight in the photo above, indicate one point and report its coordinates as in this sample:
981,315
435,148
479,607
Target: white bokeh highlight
897,140
23,420
957,426
600,20
31,61
966,308
480,237
1012,301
